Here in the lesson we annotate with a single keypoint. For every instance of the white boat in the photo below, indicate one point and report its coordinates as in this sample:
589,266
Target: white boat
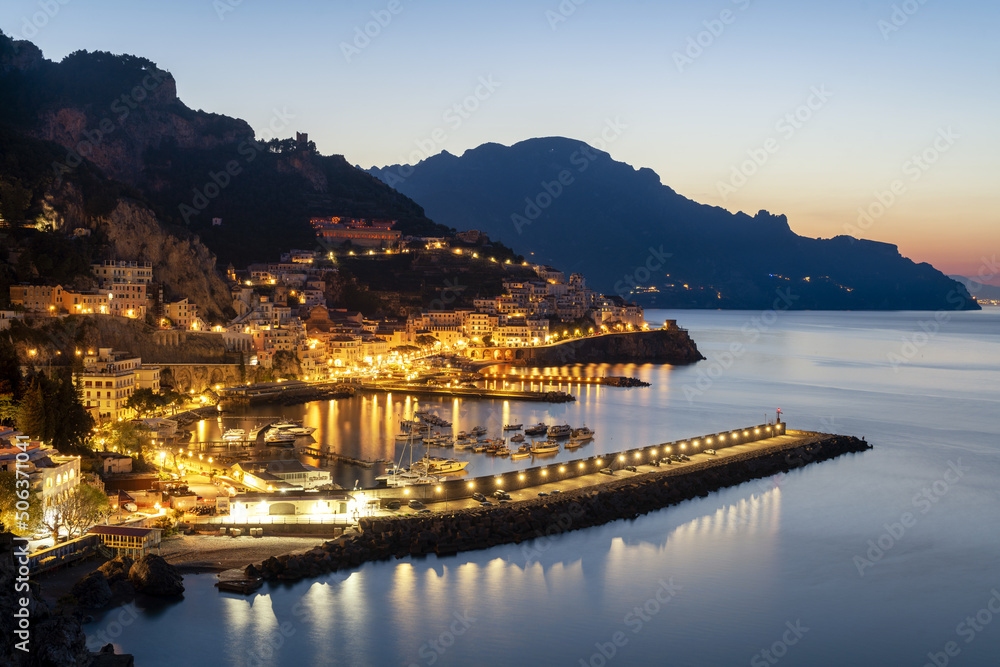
234,434
560,431
295,429
279,437
581,435
437,465
407,437
545,447
463,444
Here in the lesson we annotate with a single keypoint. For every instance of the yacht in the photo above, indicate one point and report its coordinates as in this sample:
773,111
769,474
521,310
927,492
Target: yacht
408,436
560,431
537,429
512,427
234,435
437,465
292,427
546,447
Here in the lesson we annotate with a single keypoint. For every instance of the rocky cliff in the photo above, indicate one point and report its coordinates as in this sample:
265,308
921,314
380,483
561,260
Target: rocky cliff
671,346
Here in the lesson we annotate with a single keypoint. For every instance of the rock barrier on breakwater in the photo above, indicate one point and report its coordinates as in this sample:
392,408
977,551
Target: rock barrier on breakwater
382,538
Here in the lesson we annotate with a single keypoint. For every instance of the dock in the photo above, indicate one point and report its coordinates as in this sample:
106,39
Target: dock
469,392
334,456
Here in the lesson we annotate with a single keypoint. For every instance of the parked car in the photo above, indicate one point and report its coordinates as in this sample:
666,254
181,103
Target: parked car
607,471
501,494
478,496
416,504
631,468
392,505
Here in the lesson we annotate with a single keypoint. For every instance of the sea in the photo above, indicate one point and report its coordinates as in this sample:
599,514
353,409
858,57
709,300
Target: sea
886,557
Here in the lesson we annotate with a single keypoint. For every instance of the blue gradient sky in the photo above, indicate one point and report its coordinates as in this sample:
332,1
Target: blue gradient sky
891,94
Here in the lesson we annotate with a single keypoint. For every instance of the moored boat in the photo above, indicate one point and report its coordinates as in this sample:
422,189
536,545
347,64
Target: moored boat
560,431
544,447
537,429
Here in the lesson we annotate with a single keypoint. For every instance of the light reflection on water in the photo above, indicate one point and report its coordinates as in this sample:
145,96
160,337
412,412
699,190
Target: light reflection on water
747,559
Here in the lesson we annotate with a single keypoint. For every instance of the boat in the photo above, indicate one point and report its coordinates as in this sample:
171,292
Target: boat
463,444
292,428
280,436
244,586
517,438
407,436
437,465
537,429
560,431
523,452
234,434
580,436
544,447
512,427
478,431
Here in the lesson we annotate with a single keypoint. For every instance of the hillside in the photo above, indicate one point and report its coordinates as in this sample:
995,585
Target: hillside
101,142
575,207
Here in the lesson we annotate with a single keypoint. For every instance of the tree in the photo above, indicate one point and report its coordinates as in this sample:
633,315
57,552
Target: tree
84,506
8,409
12,492
144,401
31,419
74,422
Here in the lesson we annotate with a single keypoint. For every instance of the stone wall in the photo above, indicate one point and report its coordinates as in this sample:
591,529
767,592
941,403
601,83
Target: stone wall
660,345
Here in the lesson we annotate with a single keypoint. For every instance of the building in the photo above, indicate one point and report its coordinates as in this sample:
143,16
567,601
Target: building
128,540
129,299
284,475
110,272
36,298
51,474
148,377
181,314
356,231
109,379
337,504
7,317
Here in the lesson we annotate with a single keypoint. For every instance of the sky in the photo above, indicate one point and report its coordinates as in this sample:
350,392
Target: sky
874,118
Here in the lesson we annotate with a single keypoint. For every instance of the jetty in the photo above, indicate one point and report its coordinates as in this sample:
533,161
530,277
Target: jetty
467,392
628,492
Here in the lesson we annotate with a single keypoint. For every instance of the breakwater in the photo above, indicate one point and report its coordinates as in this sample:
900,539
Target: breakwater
382,538
470,392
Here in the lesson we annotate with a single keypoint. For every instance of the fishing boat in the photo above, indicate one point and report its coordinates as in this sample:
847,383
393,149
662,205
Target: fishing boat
406,436
560,431
544,447
463,444
523,452
234,435
512,427
537,429
580,436
517,438
478,431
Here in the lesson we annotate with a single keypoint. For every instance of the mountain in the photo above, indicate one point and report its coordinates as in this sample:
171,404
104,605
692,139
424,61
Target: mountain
99,144
979,290
562,202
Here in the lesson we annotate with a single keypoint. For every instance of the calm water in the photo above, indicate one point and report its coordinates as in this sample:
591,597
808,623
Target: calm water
770,565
